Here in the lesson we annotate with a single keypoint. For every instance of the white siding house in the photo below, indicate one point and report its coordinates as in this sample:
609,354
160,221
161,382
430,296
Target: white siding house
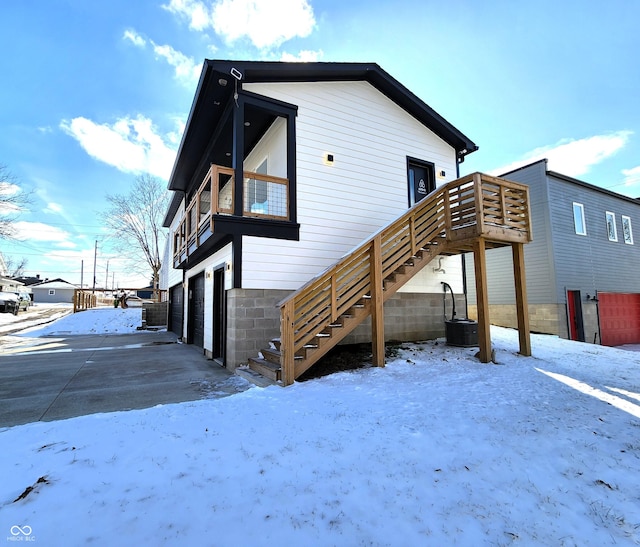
328,154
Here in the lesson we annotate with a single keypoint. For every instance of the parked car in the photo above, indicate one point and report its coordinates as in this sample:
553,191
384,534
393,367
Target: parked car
9,303
136,302
24,300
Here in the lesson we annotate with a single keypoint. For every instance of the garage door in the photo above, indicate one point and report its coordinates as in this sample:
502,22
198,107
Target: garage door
619,318
176,309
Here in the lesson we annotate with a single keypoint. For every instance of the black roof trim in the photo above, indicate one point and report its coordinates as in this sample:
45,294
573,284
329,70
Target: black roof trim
210,93
262,71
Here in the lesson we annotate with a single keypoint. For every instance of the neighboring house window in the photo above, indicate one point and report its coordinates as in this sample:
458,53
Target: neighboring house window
52,292
578,219
612,233
627,232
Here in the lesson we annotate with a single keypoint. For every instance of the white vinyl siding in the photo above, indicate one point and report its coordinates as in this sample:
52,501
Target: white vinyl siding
342,203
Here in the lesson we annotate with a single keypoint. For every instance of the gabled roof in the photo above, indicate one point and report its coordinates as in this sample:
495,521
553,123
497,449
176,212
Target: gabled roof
572,180
54,284
211,98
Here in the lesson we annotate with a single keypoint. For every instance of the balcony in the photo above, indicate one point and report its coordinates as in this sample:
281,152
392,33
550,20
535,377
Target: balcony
213,209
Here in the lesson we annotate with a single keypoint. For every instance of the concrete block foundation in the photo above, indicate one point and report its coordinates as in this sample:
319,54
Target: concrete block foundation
253,319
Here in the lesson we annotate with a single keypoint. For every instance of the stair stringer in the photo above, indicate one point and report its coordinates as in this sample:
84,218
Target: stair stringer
349,323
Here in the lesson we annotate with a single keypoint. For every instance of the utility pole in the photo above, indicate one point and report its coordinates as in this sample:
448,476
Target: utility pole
82,274
106,283
95,255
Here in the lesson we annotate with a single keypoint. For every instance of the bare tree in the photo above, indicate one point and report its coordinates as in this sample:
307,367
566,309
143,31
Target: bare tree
15,267
135,222
13,200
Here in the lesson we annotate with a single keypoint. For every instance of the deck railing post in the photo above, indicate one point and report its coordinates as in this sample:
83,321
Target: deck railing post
503,206
287,342
447,215
477,184
377,302
334,299
412,233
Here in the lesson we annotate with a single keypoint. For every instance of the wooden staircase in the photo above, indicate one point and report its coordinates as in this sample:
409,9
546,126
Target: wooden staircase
451,220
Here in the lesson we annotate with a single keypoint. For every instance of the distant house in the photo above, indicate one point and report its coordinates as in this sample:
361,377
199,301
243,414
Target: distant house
582,268
29,280
284,169
53,291
10,285
7,283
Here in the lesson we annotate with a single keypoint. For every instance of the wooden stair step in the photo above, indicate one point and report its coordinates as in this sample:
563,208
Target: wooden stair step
272,355
266,368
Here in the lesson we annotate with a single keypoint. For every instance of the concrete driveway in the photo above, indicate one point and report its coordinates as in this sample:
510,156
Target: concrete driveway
44,379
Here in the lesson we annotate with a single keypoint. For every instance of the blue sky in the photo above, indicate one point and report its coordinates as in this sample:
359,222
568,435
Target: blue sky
96,92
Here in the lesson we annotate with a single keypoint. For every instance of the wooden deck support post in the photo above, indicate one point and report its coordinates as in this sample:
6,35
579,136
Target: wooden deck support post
287,357
522,308
377,304
482,299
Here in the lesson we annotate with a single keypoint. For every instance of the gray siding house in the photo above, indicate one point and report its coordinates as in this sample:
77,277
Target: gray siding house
54,291
582,266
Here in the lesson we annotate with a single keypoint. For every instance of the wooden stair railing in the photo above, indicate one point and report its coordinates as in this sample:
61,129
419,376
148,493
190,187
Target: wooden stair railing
325,310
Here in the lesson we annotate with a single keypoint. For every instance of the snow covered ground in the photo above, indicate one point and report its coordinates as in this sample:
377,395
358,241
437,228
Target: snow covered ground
433,449
93,321
37,314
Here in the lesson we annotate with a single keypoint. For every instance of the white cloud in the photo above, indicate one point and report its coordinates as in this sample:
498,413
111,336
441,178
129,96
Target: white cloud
7,191
135,38
573,157
631,176
53,208
38,231
130,144
195,11
265,23
174,137
187,70
304,56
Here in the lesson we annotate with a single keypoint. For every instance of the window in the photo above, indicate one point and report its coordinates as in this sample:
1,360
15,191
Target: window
612,233
52,292
627,232
421,179
578,219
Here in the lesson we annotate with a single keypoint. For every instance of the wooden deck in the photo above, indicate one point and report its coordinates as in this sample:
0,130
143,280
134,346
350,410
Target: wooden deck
471,214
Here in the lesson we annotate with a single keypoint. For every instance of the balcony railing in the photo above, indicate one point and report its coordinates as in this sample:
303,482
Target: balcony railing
264,196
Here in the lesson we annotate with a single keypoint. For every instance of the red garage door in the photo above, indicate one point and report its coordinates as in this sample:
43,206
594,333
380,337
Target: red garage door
619,318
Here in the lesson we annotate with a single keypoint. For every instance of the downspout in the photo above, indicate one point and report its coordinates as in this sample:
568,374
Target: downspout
464,263
599,333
